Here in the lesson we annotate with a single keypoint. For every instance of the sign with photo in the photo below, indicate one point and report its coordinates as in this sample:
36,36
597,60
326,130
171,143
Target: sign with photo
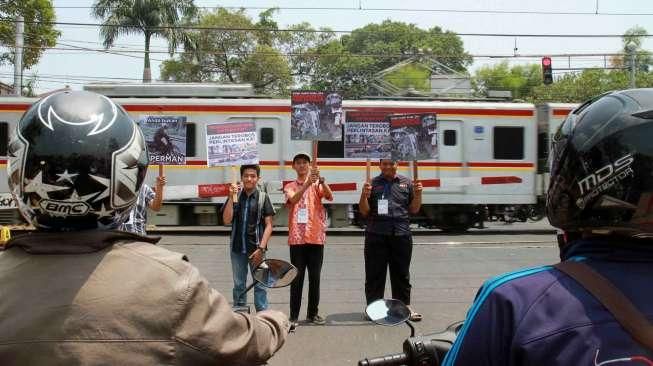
316,116
414,136
7,201
367,135
165,137
231,143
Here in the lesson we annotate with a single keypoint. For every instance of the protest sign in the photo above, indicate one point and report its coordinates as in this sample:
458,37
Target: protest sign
316,116
7,201
367,135
165,137
414,136
231,143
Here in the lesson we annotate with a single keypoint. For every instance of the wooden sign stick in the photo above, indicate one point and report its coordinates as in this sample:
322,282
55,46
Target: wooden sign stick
234,180
314,157
368,173
415,176
160,170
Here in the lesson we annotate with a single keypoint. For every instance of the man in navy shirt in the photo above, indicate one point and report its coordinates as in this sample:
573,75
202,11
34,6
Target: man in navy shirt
601,197
387,202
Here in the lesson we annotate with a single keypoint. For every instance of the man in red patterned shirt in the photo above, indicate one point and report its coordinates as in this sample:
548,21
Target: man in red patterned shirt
306,234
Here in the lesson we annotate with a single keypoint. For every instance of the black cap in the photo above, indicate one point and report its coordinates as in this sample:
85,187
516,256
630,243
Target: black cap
301,156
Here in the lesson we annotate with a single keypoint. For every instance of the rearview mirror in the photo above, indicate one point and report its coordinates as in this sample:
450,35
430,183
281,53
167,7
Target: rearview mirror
275,273
388,312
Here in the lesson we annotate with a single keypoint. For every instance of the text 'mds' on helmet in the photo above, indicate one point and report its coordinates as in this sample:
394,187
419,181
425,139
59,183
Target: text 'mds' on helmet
76,162
601,166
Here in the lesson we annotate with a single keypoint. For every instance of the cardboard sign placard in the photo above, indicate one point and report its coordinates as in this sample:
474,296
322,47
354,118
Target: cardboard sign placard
165,137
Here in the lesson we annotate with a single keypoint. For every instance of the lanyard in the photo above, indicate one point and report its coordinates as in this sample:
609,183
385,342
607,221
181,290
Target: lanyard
387,190
244,233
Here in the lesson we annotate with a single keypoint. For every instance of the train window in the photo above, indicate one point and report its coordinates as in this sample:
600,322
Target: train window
509,143
449,137
267,135
331,149
4,138
190,140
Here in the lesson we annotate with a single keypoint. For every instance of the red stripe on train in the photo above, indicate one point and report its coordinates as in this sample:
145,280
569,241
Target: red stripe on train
499,165
500,180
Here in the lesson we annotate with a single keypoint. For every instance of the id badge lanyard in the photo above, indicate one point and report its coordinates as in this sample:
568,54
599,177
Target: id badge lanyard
302,212
383,205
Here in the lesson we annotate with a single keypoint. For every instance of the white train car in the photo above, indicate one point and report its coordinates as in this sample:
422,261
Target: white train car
487,153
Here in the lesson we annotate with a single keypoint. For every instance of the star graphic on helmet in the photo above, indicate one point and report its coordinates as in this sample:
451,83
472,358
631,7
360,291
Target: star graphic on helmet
37,186
103,212
66,176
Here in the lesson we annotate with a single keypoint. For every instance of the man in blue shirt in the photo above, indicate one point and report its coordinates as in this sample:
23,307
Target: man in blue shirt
387,202
251,228
601,197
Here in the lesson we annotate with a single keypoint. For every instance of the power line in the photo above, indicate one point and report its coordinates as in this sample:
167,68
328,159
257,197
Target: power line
254,29
409,10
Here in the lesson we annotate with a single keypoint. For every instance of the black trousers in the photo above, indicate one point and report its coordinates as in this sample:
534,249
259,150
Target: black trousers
381,252
306,257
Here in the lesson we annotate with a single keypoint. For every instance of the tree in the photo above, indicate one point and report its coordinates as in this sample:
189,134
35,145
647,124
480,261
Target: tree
40,33
246,54
379,46
338,70
519,79
300,45
152,18
643,59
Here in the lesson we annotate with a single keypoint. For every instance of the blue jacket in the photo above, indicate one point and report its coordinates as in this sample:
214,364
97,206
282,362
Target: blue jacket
540,316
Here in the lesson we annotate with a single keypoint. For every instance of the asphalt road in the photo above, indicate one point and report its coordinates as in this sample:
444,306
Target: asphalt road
446,272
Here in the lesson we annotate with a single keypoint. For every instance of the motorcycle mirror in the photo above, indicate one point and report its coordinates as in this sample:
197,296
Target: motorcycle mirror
274,273
388,312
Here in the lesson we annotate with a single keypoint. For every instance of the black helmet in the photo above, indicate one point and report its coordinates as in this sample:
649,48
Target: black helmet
601,166
76,161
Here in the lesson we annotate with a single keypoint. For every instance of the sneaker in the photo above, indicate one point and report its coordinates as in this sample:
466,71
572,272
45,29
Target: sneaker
293,324
317,320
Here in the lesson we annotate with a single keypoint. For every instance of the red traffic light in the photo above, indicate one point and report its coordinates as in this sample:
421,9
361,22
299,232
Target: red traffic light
546,61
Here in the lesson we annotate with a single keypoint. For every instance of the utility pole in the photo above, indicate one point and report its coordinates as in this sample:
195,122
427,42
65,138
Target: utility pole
631,49
18,56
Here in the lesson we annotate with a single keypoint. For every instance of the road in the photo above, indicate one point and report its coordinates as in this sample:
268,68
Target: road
446,271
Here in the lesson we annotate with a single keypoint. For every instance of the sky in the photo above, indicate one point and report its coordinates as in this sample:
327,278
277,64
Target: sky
58,68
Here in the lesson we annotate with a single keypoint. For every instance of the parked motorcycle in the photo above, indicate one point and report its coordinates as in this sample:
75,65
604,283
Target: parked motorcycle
423,350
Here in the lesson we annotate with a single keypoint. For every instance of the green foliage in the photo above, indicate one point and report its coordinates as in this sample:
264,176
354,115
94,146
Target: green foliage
337,69
518,79
152,18
643,58
268,71
574,88
410,76
248,56
39,33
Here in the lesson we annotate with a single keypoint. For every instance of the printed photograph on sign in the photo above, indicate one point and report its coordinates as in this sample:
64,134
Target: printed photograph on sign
231,143
367,135
414,136
316,116
165,137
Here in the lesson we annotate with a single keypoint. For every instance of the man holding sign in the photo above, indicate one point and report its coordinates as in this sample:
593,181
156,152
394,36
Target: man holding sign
147,198
306,234
387,202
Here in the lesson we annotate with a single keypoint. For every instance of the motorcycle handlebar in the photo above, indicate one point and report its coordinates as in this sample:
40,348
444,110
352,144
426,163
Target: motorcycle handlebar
388,360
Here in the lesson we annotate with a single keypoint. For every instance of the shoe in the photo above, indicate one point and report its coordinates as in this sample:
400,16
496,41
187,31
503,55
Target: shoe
293,324
317,320
414,316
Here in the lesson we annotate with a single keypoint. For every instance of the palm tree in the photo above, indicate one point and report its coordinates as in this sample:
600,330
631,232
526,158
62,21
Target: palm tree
159,18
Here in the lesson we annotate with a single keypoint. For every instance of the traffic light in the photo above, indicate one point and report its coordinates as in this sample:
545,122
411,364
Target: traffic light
547,71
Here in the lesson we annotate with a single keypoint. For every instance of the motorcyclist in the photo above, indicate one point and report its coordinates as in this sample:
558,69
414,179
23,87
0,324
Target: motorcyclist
601,196
77,292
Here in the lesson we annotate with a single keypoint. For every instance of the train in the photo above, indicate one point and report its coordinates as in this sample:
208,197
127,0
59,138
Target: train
492,160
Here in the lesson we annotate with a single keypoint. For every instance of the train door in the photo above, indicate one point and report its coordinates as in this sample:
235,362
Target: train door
449,165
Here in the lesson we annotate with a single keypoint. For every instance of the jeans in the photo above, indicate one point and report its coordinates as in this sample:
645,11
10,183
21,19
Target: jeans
239,264
306,256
